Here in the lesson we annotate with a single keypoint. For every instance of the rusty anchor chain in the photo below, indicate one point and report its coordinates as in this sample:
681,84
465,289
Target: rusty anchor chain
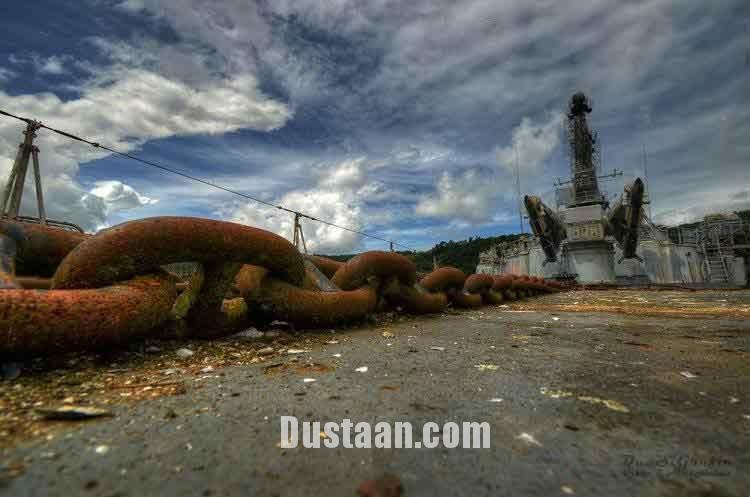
109,288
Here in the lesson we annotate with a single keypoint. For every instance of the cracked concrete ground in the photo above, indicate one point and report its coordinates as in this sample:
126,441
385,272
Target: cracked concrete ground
593,403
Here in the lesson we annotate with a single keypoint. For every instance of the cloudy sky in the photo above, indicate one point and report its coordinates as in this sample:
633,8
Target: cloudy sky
400,118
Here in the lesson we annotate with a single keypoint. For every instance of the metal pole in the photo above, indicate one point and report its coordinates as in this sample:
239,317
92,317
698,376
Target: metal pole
28,143
299,236
302,237
295,239
38,181
5,206
518,188
15,199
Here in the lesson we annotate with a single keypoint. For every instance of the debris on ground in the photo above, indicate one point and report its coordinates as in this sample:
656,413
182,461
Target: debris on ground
251,333
73,413
561,394
609,404
439,349
487,367
667,303
183,353
688,374
387,486
361,369
529,439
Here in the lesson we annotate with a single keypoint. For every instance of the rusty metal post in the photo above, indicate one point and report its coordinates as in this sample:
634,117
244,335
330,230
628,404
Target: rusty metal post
5,205
299,236
38,182
14,188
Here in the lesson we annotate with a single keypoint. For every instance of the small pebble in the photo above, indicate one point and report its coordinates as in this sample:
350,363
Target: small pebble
184,353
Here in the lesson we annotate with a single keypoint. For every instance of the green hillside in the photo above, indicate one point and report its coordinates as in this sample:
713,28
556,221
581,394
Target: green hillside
463,254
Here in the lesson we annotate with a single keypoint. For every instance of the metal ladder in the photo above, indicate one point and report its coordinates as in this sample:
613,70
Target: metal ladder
716,247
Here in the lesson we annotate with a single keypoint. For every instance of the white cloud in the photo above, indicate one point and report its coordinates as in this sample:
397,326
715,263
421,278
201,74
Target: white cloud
337,197
412,153
470,196
118,196
124,110
531,144
50,65
475,195
345,176
131,5
444,81
6,74
703,203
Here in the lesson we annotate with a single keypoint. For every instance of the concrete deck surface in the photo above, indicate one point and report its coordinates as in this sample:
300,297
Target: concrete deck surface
610,404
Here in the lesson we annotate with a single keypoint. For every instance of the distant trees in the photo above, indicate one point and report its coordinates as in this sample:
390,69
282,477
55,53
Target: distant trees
463,254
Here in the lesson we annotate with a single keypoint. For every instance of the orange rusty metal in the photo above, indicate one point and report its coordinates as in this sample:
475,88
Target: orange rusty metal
420,302
491,297
466,300
280,300
311,280
34,322
479,283
443,278
40,248
8,252
110,287
381,265
510,294
7,281
249,280
518,282
327,266
140,247
502,282
205,316
538,283
34,283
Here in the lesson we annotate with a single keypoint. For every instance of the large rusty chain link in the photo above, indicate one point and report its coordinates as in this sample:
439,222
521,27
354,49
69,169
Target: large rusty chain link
111,287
